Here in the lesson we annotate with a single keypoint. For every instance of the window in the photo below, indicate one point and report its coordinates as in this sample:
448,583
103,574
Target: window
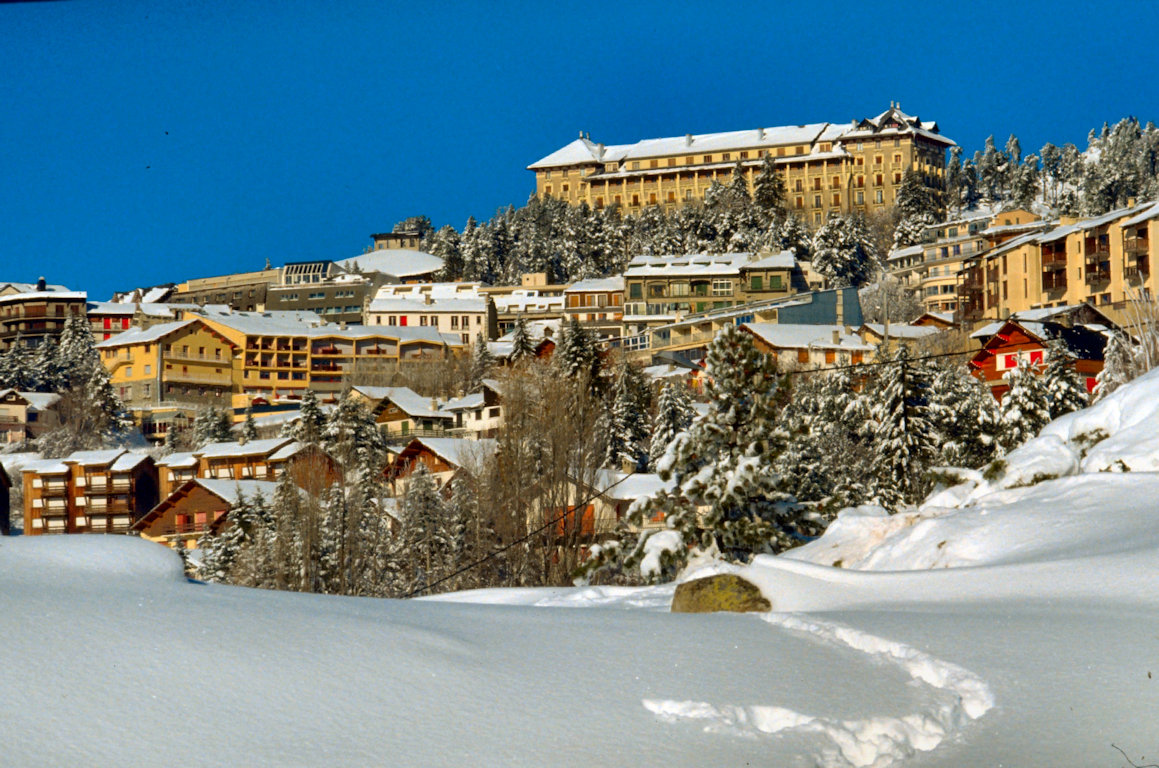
816,201
546,191
402,319
755,283
726,157
897,178
896,156
422,319
129,372
708,158
780,151
878,197
636,291
721,287
688,194
466,321
836,198
690,160
654,164
774,282
392,320
799,186
635,199
454,322
800,202
148,369
672,197
565,188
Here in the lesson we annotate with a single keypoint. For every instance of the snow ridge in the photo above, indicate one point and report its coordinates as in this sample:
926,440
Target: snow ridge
874,742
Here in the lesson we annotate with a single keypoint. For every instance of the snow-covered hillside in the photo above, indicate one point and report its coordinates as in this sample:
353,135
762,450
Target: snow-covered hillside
997,625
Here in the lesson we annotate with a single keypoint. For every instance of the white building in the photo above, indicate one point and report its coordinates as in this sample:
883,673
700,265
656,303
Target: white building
455,308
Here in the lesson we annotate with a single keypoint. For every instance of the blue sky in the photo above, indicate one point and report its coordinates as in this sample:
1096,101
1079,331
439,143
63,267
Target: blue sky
147,142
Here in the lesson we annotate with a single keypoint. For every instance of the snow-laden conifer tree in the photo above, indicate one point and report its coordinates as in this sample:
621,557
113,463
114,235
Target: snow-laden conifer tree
16,367
728,500
46,374
307,428
351,437
576,355
424,536
843,253
965,419
482,363
627,421
249,429
674,414
769,191
1025,407
521,345
77,357
1065,388
904,442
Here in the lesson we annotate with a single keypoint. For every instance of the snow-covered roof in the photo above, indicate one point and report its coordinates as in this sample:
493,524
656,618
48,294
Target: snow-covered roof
800,336
393,261
110,308
1023,316
611,284
37,401
14,463
180,459
287,451
465,403
411,403
901,330
55,295
228,490
459,451
434,306
692,265
129,460
537,330
666,371
45,467
31,288
782,260
621,486
1149,212
526,302
144,335
94,458
234,448
901,253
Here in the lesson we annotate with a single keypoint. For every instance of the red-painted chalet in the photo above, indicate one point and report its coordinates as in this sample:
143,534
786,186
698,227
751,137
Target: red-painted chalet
1020,343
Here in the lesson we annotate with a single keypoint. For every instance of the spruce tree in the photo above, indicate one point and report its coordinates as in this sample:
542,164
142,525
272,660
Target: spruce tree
727,500
842,252
769,191
674,415
16,367
308,427
904,442
628,420
521,345
1065,389
482,363
576,355
249,429
965,419
424,535
1025,407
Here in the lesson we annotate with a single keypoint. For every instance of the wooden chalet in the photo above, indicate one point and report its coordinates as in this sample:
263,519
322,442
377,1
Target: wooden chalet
401,412
310,467
195,507
943,321
88,492
442,456
1023,343
479,414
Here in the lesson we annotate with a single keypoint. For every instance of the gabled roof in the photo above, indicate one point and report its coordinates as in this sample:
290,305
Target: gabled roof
793,336
93,458
623,486
455,451
782,260
408,401
1044,314
226,490
1084,343
234,448
37,401
148,335
465,403
181,459
613,284
900,330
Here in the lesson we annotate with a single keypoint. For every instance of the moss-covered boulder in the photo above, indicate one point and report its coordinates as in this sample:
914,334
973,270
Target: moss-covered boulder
722,592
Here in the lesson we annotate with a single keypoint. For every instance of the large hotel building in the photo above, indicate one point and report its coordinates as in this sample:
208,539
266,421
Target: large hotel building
828,167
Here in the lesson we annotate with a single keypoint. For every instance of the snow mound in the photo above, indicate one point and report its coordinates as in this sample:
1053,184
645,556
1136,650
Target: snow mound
78,559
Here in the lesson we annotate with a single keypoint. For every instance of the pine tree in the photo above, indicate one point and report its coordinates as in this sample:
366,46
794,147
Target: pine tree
1025,408
77,357
1118,364
842,252
46,375
424,529
576,355
16,367
249,429
727,499
769,194
308,427
482,363
965,419
904,441
1065,389
628,420
352,438
521,345
674,415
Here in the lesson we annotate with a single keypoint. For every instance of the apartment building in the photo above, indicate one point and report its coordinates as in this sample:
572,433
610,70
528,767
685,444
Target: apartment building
267,459
795,347
242,291
340,298
1103,260
227,359
828,168
597,303
88,492
458,309
108,318
662,289
35,315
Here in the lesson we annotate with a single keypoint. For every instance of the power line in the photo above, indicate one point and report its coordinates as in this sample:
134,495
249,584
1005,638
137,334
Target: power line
530,534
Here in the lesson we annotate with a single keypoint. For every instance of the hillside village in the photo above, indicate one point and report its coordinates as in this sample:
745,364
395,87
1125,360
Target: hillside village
852,307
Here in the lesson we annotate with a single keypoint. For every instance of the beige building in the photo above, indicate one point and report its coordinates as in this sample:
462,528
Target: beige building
1102,260
27,415
663,289
88,492
827,167
458,309
36,315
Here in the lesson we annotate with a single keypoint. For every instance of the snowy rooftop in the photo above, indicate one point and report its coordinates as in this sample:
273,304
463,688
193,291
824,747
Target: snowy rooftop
525,302
144,335
623,486
56,295
393,261
36,400
408,401
454,305
31,288
251,448
178,459
464,403
794,336
93,458
228,490
693,265
782,260
610,284
459,451
1044,313
901,330
1150,211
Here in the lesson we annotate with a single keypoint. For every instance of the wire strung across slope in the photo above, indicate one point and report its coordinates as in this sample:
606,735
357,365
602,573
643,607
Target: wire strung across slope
492,555
495,553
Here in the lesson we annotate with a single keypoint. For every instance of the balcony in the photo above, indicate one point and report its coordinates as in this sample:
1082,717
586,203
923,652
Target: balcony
1098,278
1053,262
1138,274
55,488
1054,281
217,379
1136,247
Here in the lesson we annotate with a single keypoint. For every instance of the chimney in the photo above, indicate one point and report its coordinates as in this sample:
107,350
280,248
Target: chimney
627,465
581,134
761,134
434,404
836,336
688,139
426,298
41,285
342,326
1131,202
